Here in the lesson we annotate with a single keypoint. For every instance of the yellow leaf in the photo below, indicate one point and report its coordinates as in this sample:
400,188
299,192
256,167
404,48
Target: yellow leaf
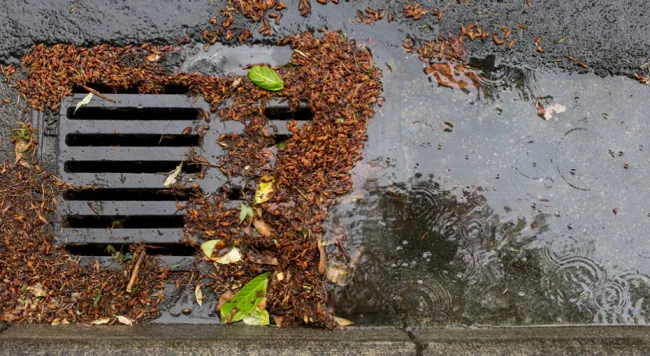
264,189
124,320
232,256
208,247
83,102
199,295
173,176
103,321
342,322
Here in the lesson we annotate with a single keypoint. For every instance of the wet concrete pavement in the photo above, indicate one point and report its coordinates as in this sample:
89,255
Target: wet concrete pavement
503,219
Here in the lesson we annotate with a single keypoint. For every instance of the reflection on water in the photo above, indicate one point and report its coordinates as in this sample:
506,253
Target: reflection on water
432,256
495,79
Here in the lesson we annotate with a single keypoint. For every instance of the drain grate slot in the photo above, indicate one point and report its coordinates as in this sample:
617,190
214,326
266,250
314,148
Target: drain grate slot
132,113
95,249
146,194
283,113
122,222
127,167
131,140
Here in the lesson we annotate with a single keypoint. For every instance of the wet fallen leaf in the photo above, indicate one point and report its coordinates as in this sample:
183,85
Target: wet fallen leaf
244,212
264,189
209,246
275,206
266,78
262,227
342,322
321,250
262,304
258,317
337,273
103,321
37,290
173,177
233,256
83,102
20,148
263,259
124,320
154,57
246,300
224,298
199,295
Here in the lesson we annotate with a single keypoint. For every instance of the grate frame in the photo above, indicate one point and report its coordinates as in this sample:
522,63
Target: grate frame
132,125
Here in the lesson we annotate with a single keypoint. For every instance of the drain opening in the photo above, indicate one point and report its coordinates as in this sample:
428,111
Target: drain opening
98,249
283,113
133,113
104,89
128,167
124,222
280,138
131,140
121,194
168,89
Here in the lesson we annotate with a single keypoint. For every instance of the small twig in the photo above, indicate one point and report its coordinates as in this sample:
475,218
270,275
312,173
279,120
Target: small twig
95,92
136,269
646,63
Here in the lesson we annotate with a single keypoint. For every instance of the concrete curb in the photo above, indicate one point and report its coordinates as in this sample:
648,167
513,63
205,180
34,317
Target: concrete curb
213,339
556,340
202,339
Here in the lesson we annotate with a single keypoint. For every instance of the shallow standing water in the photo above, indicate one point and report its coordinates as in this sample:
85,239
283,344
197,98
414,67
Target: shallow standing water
505,219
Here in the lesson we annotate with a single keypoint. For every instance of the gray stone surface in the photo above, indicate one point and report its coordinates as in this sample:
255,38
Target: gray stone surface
596,340
204,340
10,114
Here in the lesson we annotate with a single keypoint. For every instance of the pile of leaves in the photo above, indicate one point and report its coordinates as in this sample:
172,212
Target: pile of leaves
42,283
340,83
280,230
256,11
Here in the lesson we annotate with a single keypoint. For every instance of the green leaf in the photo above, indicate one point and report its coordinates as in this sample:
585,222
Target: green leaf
244,211
266,78
246,300
257,317
282,145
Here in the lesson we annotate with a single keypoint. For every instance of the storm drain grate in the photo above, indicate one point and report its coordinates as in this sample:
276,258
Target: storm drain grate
123,149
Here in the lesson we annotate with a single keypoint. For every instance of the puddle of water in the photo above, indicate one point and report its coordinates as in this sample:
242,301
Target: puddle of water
507,219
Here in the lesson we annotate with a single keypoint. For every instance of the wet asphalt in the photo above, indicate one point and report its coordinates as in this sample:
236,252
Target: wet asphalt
527,170
611,37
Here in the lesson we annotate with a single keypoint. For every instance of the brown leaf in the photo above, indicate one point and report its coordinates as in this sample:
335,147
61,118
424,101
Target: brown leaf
263,259
278,320
154,57
275,206
262,227
224,298
321,264
20,148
